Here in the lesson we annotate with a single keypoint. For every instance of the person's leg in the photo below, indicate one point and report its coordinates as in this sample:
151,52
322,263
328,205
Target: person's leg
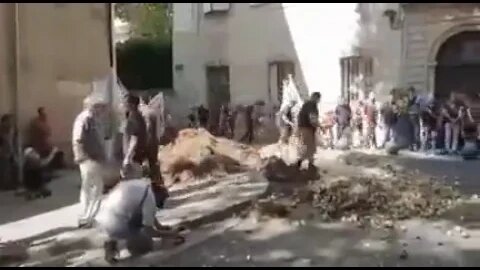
95,192
283,135
389,135
386,136
455,136
311,147
154,168
85,168
423,136
364,137
110,248
416,133
374,136
302,147
139,243
448,136
250,134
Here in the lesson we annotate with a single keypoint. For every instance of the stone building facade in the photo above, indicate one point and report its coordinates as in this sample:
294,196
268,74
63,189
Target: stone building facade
241,51
49,55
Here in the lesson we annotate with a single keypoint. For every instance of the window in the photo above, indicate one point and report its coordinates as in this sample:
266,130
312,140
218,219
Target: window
216,7
356,75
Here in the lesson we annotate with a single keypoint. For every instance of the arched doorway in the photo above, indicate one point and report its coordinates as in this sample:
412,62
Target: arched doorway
458,65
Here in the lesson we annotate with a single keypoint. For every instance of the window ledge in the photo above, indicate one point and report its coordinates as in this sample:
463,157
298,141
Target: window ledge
211,12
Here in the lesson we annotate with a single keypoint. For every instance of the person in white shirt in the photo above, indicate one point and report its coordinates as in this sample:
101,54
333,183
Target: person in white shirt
88,142
128,213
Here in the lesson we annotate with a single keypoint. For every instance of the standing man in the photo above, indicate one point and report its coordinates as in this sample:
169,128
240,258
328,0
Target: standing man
414,114
134,134
224,125
389,117
249,123
89,154
285,122
343,115
370,122
152,148
308,122
203,116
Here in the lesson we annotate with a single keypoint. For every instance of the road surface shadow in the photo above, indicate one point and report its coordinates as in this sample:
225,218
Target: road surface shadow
65,192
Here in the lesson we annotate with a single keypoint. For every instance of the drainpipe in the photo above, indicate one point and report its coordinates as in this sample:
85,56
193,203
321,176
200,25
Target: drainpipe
16,94
112,58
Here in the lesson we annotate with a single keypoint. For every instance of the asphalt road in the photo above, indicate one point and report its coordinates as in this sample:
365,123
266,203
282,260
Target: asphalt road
278,242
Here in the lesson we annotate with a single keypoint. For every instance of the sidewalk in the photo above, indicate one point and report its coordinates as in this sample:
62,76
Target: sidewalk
54,233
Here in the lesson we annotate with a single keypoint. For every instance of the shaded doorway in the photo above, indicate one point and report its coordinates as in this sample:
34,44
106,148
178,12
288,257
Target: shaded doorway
458,65
458,69
278,72
218,92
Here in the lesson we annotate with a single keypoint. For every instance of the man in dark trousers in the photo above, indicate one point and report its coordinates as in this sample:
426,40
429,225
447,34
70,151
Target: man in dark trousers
389,117
343,115
134,134
203,115
308,122
414,114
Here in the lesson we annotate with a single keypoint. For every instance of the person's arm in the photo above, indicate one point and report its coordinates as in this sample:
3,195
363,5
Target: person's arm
159,232
446,115
151,225
314,119
130,130
283,114
461,113
77,141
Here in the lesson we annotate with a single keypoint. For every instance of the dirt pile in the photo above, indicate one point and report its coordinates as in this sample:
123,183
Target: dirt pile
366,200
196,153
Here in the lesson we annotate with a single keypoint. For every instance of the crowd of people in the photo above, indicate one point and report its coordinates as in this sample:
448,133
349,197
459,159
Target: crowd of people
405,121
229,120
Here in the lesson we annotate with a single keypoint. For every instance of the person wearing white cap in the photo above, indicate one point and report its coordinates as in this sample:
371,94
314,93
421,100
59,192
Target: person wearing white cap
89,153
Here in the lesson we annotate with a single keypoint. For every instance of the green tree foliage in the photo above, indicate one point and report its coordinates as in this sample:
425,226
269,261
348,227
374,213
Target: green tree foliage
144,63
149,20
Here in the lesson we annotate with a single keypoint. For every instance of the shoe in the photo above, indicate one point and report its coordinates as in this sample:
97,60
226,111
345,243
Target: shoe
111,251
84,225
46,193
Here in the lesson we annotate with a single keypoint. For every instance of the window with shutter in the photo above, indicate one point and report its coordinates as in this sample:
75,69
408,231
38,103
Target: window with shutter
216,7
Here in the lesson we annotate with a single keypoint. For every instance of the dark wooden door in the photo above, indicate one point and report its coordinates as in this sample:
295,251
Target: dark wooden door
218,91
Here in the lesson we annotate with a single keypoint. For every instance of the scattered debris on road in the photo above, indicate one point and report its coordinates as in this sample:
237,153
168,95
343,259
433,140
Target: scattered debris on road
366,200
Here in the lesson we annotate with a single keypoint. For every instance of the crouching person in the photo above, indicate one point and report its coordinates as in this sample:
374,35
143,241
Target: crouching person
129,214
36,174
